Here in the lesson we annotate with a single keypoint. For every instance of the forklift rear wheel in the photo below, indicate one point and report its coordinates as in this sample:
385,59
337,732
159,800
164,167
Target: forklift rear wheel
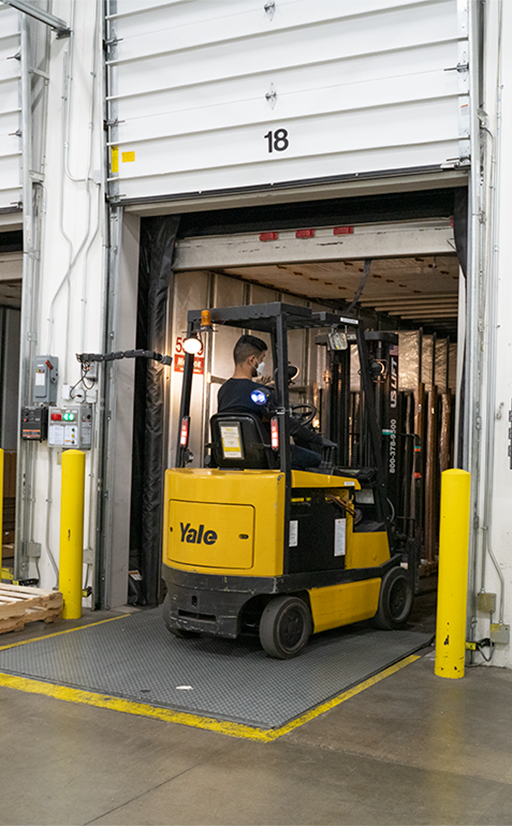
176,632
395,600
285,627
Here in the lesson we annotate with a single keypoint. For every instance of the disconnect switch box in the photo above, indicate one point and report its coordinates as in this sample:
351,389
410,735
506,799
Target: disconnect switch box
46,375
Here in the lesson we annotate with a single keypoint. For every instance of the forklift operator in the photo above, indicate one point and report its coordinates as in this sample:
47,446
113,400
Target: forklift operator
241,393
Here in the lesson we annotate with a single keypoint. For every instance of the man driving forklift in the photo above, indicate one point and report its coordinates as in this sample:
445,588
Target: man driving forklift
241,393
252,543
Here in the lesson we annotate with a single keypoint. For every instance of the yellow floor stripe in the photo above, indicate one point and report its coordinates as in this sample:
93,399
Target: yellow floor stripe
59,633
75,695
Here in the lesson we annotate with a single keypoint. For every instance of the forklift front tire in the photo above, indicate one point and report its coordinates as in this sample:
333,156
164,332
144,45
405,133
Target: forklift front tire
285,627
395,600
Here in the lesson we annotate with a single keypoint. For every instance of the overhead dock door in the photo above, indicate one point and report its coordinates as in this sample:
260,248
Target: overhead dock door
207,97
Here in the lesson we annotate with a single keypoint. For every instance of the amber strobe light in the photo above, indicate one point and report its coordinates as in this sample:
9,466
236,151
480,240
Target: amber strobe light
274,434
206,319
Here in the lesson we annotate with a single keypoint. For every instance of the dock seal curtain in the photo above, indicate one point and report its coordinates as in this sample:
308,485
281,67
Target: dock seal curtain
157,244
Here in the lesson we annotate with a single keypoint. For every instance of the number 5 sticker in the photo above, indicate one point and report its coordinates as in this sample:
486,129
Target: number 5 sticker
278,140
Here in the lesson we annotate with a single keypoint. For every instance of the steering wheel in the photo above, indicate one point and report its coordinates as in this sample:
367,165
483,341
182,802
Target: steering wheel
304,412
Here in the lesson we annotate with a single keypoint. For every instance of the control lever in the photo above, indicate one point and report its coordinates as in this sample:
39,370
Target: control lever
328,449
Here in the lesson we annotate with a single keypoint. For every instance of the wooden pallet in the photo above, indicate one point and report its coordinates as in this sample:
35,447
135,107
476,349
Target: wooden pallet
20,604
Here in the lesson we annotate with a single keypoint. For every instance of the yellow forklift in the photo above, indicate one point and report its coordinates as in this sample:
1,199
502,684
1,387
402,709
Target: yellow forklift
251,544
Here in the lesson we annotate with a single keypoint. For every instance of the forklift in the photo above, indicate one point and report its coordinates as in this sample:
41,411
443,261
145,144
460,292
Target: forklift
252,544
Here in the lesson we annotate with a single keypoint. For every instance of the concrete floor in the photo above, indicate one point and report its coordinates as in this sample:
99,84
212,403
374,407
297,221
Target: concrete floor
412,749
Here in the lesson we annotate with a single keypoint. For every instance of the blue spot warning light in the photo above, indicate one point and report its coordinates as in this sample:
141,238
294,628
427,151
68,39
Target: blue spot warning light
258,397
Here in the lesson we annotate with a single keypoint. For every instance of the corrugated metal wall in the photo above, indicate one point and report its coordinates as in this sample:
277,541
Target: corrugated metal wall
10,108
207,96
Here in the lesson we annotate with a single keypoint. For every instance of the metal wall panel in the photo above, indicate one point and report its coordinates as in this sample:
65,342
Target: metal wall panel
198,91
190,292
10,109
228,292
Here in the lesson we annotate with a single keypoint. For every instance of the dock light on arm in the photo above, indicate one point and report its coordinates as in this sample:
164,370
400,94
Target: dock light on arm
192,344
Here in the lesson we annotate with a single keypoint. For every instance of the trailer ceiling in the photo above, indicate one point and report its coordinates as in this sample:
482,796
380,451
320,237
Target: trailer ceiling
414,274
418,291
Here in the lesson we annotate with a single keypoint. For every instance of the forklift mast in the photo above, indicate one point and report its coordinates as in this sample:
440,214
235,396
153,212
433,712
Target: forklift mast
347,421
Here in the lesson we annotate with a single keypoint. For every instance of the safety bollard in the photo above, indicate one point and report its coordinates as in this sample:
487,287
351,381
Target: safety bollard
453,574
72,532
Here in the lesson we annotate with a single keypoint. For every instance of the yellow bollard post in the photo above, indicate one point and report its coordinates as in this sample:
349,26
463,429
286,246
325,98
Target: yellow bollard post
453,574
72,532
1,507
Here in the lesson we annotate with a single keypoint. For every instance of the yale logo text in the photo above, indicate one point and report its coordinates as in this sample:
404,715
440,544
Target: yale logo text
195,537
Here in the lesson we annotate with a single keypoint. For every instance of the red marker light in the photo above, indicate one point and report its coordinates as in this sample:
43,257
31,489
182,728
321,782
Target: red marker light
343,231
274,434
269,236
305,233
56,417
184,431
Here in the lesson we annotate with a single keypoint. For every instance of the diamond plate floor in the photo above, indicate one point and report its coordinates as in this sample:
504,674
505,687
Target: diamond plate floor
136,658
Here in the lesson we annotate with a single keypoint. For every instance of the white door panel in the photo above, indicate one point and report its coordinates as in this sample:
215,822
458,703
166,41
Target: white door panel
183,69
225,112
165,30
10,143
248,145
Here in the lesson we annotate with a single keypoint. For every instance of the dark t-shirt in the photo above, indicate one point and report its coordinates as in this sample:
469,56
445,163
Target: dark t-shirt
244,394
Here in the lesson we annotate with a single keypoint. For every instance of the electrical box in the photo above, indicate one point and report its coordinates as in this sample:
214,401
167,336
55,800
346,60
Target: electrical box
70,427
46,375
486,602
34,423
500,633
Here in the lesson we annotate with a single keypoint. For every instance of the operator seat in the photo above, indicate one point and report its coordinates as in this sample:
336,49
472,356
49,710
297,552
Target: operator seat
245,446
